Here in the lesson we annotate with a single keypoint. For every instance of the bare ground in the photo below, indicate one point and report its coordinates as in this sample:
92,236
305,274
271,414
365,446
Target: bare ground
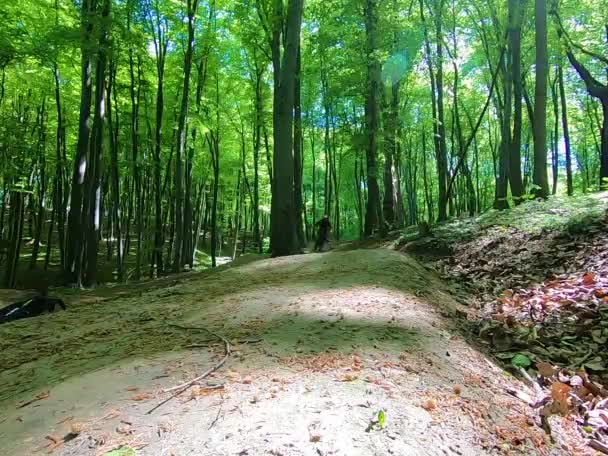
321,344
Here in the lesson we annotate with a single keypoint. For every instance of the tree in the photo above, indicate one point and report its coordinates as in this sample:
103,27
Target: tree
540,101
373,212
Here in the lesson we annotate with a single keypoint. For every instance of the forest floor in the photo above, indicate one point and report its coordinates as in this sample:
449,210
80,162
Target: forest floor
358,351
350,352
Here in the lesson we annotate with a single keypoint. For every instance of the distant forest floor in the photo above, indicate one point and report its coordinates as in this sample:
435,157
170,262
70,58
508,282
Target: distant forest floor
359,351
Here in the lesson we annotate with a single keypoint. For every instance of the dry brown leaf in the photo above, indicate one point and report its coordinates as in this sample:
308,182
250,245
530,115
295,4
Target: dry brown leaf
457,389
348,377
589,278
559,394
545,369
141,397
429,405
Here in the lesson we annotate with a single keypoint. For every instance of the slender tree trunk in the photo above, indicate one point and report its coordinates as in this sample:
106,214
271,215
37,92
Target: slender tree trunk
17,208
115,177
58,192
297,152
75,239
565,130
180,230
42,182
540,101
554,136
373,213
161,44
442,163
93,176
502,180
514,36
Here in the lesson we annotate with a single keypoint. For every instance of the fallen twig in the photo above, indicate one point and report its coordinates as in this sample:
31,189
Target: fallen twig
39,397
217,416
598,446
179,389
537,388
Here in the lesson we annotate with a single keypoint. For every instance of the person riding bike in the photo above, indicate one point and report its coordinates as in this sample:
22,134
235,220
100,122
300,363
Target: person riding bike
323,234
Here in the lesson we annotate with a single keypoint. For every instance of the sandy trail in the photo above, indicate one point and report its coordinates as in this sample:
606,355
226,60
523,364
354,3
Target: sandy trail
322,343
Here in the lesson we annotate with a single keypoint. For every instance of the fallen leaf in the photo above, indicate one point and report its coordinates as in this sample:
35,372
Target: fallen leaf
559,394
588,278
429,405
348,377
545,369
141,397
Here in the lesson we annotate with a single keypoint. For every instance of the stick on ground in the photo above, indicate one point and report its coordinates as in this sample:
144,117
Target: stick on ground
179,389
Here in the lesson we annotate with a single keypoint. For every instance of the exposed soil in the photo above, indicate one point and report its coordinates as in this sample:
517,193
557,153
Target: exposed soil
321,344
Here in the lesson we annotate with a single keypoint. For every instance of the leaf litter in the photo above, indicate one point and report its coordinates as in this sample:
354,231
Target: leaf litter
539,299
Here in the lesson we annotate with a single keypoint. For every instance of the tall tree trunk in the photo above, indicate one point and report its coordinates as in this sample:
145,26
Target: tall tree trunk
58,192
297,151
75,239
259,119
565,131
514,36
554,136
17,207
135,96
390,140
442,161
181,232
373,213
115,178
283,229
502,180
93,176
540,101
161,44
42,182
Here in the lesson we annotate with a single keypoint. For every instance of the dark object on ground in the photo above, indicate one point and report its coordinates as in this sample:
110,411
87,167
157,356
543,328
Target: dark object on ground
424,229
30,308
323,235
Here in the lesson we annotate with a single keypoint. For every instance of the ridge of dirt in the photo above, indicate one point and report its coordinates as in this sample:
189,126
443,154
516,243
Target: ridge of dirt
321,344
539,298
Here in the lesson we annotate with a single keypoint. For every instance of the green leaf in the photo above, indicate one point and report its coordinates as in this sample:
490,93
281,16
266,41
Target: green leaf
520,360
123,451
381,418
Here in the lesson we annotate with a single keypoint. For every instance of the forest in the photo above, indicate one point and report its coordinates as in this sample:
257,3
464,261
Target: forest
144,137
167,165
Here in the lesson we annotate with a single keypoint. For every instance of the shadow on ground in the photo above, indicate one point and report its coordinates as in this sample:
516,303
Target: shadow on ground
339,301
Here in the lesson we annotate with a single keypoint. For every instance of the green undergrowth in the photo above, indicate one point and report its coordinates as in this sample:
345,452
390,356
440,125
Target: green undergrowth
557,213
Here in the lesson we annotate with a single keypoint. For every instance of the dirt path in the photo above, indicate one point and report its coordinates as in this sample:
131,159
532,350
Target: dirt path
322,343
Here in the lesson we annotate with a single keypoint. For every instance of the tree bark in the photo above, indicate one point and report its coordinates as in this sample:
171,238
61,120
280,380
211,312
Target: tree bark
75,239
540,178
93,176
514,35
181,232
297,151
373,213
565,131
283,228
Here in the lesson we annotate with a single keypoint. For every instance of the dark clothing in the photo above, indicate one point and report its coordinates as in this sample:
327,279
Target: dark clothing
323,236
